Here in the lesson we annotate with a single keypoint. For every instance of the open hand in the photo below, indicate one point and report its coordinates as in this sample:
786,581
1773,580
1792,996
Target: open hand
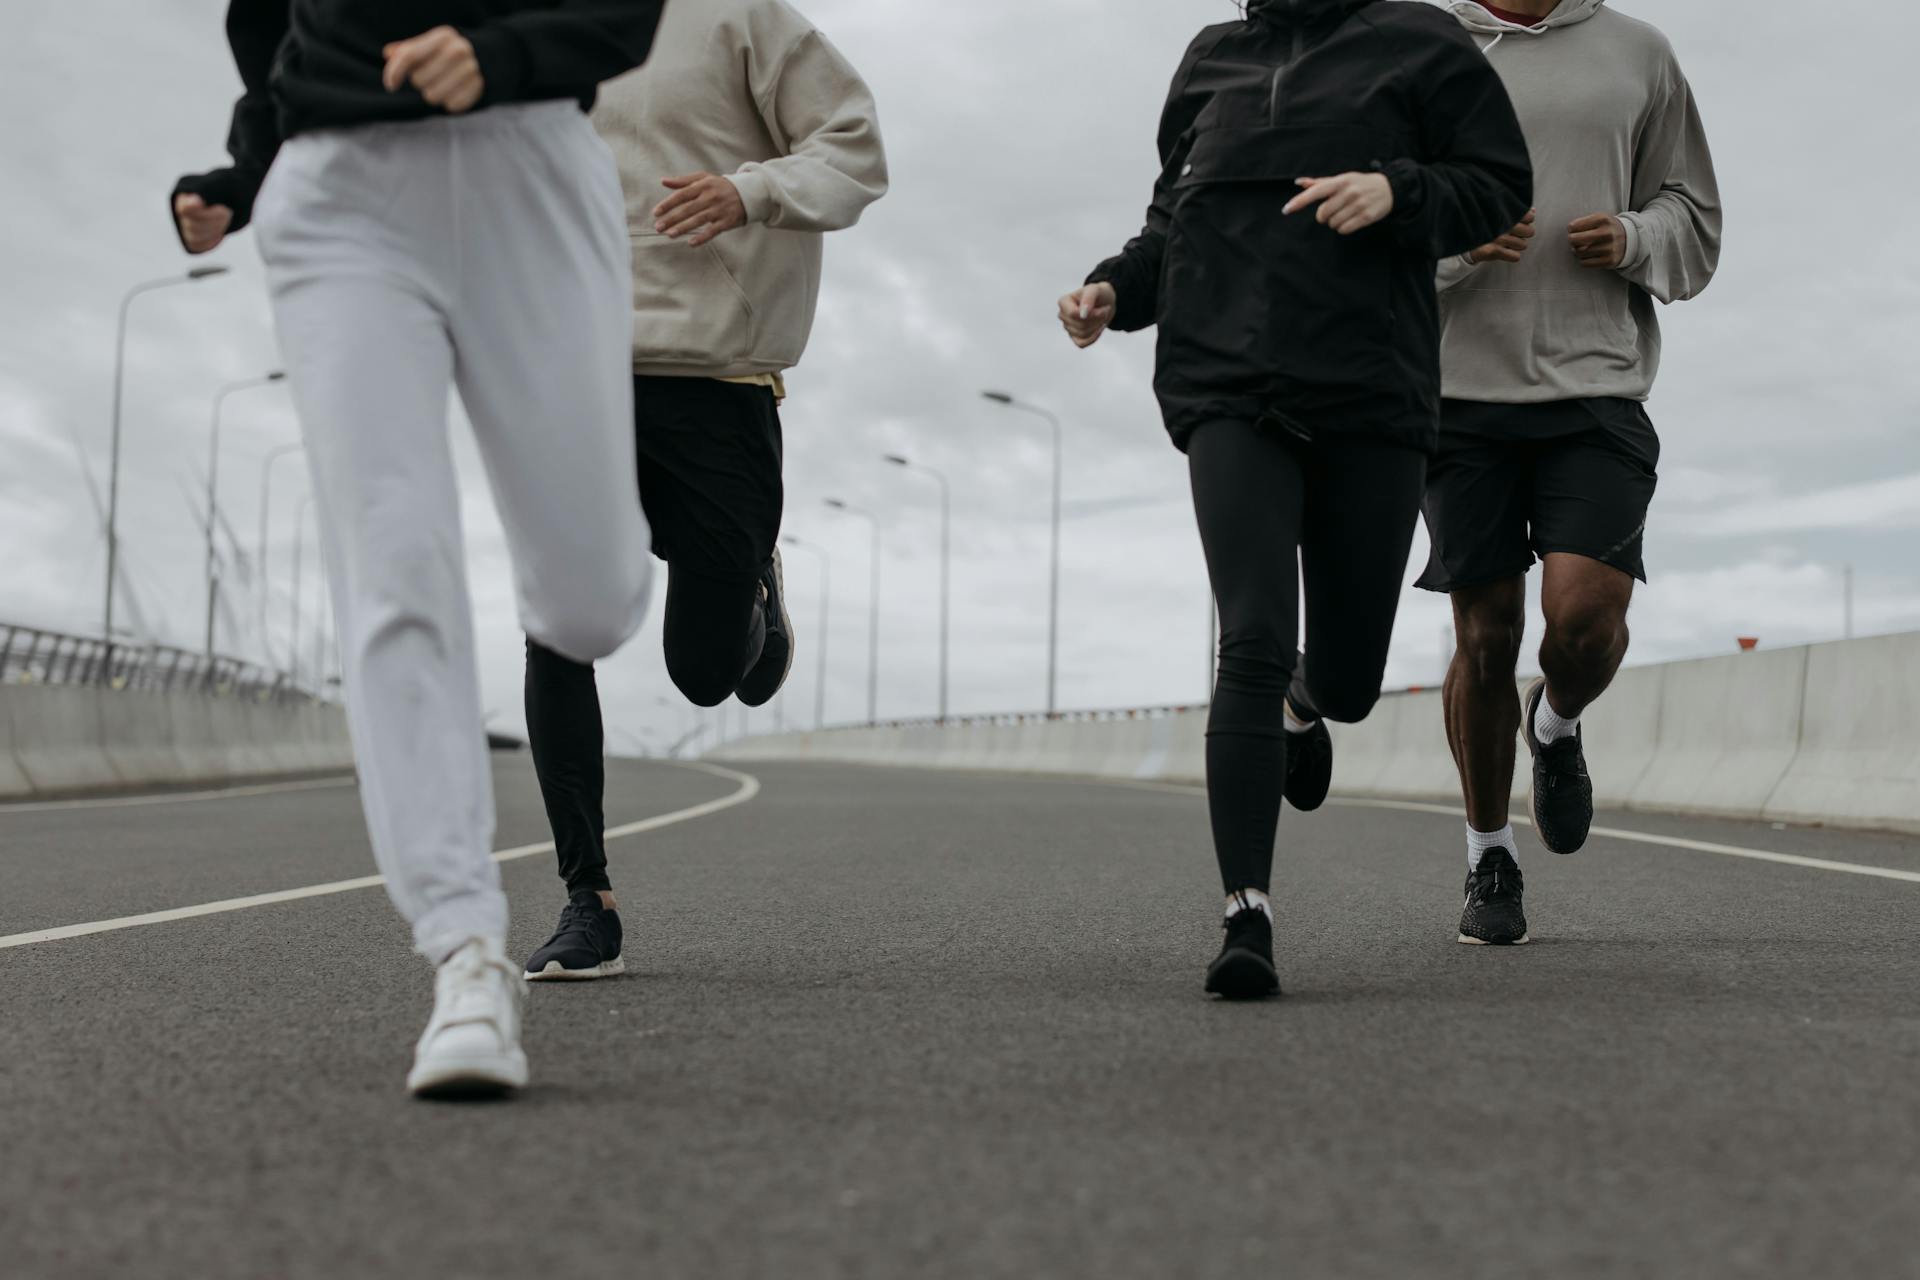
1599,240
1087,311
441,64
202,226
1509,247
705,204
1348,203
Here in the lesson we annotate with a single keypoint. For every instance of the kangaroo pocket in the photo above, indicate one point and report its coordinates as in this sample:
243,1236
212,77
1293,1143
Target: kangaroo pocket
1254,300
687,306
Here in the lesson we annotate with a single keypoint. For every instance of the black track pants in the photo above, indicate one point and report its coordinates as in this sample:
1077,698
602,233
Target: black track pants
714,632
1274,513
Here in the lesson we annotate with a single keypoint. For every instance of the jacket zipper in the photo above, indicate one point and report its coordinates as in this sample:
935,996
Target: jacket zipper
1280,72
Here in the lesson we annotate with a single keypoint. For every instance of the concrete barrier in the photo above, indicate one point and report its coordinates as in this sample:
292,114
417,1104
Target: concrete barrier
1820,734
61,739
1858,761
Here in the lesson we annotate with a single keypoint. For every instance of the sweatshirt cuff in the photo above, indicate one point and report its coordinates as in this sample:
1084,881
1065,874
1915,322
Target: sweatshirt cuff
1403,178
756,193
504,65
1639,244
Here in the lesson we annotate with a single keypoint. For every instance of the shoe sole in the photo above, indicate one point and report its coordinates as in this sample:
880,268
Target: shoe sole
469,1078
786,630
1536,691
554,973
1520,941
1241,975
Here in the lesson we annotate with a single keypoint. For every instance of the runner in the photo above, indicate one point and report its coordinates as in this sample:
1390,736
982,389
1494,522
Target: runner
1549,350
745,138
1318,158
436,210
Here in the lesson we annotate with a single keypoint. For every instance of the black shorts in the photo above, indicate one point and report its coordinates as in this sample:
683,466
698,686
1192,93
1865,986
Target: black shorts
1516,481
710,461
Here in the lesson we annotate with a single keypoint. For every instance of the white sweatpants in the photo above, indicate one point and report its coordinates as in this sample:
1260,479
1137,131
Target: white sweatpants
487,252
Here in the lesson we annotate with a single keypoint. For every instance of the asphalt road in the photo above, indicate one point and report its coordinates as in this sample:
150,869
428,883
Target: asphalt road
900,1024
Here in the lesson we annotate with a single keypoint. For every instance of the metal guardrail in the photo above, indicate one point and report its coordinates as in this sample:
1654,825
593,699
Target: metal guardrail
31,656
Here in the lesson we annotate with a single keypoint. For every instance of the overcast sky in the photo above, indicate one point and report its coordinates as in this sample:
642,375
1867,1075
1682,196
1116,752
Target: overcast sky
1021,137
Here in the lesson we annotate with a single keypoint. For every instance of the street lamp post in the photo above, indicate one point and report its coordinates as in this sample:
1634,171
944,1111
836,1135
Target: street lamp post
213,490
299,557
873,610
113,464
826,590
266,505
946,563
1053,591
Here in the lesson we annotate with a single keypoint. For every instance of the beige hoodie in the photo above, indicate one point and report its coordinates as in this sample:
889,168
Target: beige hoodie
748,89
1613,128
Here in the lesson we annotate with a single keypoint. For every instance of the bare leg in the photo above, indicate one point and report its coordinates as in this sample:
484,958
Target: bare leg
1482,708
1586,607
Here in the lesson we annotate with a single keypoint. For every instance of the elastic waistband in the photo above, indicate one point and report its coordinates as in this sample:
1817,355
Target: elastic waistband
500,119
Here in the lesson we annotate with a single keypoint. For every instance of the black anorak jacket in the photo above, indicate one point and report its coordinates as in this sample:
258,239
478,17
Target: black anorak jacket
1264,316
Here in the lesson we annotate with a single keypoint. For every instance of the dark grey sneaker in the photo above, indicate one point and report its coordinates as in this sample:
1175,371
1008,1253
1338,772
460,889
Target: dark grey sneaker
1562,791
1493,916
1309,768
1244,968
585,944
776,656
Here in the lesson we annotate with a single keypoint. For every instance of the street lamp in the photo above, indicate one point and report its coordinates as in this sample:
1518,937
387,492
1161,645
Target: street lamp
946,562
826,590
299,557
113,465
213,488
873,610
1053,592
266,504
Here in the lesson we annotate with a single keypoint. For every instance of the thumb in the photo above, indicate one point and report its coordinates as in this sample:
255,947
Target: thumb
675,184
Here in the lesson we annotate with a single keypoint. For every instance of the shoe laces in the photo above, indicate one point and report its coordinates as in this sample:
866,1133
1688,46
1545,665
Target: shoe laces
1496,882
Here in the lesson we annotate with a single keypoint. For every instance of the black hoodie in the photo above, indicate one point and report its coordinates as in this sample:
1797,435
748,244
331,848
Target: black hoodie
1281,318
316,64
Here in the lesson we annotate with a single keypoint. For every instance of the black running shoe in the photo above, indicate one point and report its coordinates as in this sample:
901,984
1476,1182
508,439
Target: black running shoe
585,944
1244,968
1309,767
1562,791
1493,916
776,657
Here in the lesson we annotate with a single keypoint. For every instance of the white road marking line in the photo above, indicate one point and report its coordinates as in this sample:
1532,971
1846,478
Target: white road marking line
176,797
749,788
1611,833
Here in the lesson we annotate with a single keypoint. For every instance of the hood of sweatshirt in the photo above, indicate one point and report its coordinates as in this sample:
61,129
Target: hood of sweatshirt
1476,18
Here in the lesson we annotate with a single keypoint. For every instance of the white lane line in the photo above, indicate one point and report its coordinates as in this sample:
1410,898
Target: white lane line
177,797
1611,833
749,788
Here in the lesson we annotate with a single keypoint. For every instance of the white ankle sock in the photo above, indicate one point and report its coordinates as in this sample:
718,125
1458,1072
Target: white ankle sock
1550,726
1249,900
1297,725
1478,842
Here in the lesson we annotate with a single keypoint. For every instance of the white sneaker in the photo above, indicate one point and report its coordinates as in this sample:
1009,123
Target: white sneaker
471,1047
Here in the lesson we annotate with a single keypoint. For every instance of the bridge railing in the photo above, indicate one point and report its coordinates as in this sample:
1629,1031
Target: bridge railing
29,655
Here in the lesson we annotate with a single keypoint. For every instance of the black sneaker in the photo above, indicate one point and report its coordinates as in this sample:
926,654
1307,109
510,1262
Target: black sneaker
1309,767
1562,791
1493,916
776,656
1244,968
585,944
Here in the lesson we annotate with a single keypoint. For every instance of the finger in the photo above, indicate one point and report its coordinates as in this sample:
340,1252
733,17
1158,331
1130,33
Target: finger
188,205
673,204
406,57
684,180
1311,196
1590,222
690,218
1586,239
1525,231
1528,220
440,73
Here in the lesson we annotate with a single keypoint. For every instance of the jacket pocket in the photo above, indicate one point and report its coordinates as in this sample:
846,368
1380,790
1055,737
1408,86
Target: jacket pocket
687,306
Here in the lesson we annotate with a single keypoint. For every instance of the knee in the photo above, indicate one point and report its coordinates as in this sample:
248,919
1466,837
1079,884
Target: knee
704,682
587,620
1490,645
1346,706
1588,634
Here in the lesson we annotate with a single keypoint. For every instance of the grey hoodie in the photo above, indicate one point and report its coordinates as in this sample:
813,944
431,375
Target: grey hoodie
1612,128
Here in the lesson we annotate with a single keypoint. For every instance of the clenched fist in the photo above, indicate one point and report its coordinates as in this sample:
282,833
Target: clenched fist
441,64
202,226
704,203
1087,311
1509,247
1599,240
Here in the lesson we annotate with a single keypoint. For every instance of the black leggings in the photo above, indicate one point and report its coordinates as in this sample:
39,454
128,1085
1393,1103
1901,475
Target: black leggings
1274,511
714,634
